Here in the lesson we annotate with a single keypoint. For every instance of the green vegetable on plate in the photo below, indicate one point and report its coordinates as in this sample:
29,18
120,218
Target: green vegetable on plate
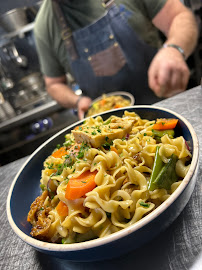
163,174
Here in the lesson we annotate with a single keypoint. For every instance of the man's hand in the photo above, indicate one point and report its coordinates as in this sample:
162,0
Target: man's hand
168,73
83,105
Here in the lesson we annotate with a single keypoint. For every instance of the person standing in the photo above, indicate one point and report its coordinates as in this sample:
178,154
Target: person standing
113,45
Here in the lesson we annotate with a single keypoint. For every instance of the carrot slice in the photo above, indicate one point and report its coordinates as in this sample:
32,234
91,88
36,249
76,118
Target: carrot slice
112,148
102,102
62,151
78,187
118,106
165,124
62,209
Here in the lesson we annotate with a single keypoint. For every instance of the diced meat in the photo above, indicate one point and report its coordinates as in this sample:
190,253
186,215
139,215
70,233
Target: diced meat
41,229
38,217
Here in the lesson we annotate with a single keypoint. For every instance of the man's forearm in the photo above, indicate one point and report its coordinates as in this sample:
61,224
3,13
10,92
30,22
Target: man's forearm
63,94
183,32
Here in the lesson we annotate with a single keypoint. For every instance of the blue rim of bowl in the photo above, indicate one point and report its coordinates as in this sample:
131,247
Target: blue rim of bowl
124,232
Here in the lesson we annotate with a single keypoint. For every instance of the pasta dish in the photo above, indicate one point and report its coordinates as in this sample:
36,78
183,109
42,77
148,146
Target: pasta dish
108,103
106,176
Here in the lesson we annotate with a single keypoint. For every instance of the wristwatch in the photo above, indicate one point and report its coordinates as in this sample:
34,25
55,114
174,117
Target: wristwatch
176,47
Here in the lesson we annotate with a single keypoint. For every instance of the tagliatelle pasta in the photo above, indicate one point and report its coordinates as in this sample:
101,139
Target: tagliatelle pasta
106,176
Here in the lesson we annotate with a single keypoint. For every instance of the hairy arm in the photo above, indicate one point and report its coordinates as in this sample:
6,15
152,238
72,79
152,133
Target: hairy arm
58,89
168,72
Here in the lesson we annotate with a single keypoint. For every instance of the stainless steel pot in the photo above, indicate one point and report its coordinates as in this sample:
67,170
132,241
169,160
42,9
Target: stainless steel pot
13,19
32,80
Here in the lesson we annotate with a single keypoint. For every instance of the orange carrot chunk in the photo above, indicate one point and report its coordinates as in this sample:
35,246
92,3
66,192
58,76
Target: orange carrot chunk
62,209
78,187
77,128
62,151
102,102
118,106
112,148
165,124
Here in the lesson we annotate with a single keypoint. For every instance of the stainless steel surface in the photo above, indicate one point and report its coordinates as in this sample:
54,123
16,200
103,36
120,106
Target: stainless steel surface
6,110
6,82
32,80
20,60
178,248
40,111
13,19
20,32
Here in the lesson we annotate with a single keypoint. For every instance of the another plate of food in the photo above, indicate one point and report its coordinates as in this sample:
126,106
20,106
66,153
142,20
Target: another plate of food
106,184
110,101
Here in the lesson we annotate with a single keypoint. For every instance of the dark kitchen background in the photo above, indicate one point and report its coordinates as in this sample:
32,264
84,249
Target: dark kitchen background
28,116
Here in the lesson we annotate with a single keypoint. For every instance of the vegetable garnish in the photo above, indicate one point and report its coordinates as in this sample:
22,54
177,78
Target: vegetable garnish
117,106
167,175
144,204
62,209
164,123
102,102
84,147
112,148
163,174
78,187
160,133
62,151
158,165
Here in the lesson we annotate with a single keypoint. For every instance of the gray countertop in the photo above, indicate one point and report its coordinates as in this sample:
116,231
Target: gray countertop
179,247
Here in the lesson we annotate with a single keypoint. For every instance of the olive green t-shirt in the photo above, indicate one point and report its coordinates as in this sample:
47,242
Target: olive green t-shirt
80,13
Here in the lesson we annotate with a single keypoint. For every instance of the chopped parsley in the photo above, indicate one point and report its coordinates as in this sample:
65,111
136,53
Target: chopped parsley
59,169
68,142
49,165
106,146
84,147
146,205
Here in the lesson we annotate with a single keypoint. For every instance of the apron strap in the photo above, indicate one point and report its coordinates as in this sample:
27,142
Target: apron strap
66,32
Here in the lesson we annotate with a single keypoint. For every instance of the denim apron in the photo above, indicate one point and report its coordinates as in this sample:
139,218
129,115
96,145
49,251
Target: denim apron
111,57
